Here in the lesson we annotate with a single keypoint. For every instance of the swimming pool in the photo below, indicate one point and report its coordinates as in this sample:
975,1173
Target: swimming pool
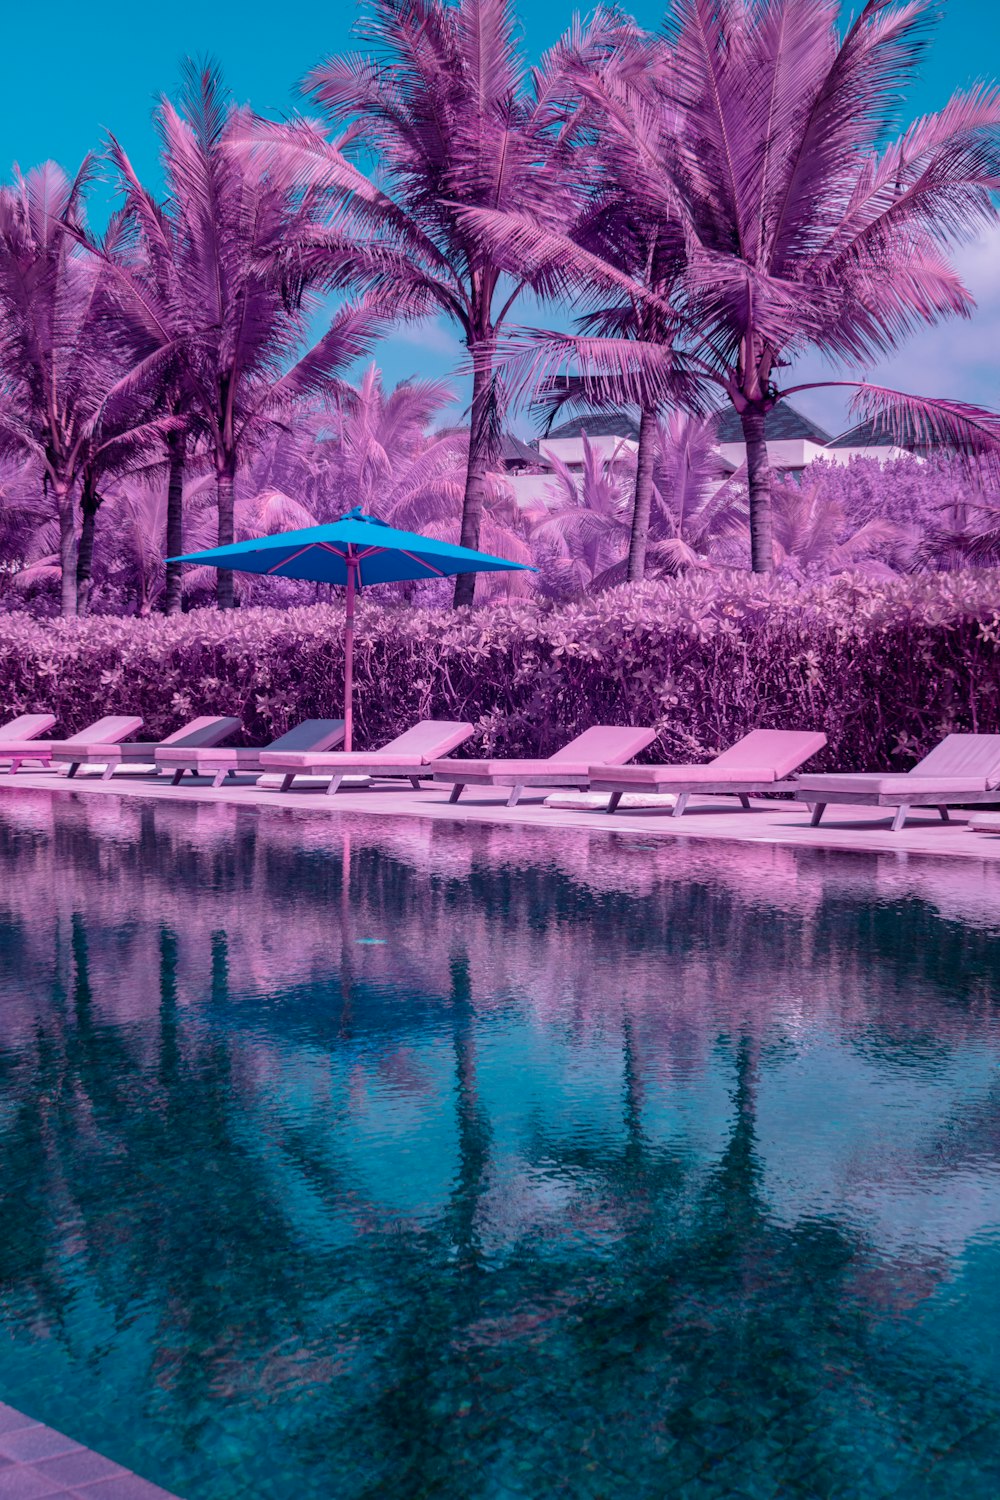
343,1159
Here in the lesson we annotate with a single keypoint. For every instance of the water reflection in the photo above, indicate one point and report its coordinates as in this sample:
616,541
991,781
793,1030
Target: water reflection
352,1159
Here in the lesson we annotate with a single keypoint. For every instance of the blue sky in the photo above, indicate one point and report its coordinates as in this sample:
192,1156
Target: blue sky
73,71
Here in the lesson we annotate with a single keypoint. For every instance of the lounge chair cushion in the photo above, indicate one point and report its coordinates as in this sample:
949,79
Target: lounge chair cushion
25,727
971,755
109,731
220,755
201,732
311,734
872,783
207,729
710,775
41,749
336,760
611,744
783,750
427,740
551,766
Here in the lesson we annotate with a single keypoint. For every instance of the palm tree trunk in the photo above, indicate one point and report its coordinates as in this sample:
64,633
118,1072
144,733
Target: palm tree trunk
85,554
480,450
225,593
642,504
759,481
67,549
175,522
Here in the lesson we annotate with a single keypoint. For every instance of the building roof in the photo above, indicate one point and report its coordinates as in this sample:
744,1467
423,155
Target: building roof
514,451
878,434
598,424
782,423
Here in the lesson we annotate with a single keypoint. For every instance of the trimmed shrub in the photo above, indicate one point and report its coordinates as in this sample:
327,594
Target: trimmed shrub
885,668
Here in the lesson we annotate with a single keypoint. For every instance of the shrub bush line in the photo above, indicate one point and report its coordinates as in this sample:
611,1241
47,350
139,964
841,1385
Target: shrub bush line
884,667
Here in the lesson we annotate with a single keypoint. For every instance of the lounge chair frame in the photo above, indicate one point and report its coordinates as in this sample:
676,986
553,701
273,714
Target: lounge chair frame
518,785
683,790
412,774
901,802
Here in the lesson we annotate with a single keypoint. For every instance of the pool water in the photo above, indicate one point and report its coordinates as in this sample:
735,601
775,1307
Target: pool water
347,1158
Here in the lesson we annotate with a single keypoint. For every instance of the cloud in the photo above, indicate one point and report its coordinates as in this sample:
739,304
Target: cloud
434,335
960,357
428,350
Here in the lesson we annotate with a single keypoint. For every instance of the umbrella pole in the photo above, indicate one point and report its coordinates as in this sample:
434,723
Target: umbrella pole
349,656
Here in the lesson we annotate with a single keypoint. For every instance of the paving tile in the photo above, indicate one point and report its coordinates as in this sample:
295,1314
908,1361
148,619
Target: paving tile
80,1467
23,1482
124,1487
26,1444
11,1420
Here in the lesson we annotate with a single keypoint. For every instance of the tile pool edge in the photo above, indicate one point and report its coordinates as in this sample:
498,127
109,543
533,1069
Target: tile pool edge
39,1463
768,823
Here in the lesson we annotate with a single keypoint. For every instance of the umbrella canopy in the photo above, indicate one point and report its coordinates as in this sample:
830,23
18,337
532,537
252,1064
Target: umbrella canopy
356,551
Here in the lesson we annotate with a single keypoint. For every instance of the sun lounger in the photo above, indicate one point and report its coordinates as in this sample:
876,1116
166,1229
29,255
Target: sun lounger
612,744
963,768
759,762
108,731
311,734
985,822
407,757
200,733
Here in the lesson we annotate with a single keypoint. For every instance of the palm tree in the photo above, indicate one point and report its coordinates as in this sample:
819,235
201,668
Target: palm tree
960,540
811,530
70,406
580,537
694,507
46,293
803,229
214,294
585,539
448,117
146,283
614,234
378,455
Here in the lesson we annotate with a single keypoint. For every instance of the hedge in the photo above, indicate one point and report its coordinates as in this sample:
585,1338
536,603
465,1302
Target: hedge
884,667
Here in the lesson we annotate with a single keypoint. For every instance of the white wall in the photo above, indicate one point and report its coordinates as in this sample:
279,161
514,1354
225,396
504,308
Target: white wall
570,450
531,489
789,453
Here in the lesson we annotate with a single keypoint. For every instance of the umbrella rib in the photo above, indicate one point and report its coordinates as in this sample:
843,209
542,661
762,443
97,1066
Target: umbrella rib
421,562
286,560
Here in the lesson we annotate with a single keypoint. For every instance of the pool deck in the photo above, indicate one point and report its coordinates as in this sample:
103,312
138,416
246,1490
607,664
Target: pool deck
854,829
38,1463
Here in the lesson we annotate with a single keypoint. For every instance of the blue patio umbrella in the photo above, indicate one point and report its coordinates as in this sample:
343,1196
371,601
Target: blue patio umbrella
356,551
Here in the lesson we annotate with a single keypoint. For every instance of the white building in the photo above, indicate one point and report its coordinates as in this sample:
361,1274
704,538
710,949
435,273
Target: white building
793,442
